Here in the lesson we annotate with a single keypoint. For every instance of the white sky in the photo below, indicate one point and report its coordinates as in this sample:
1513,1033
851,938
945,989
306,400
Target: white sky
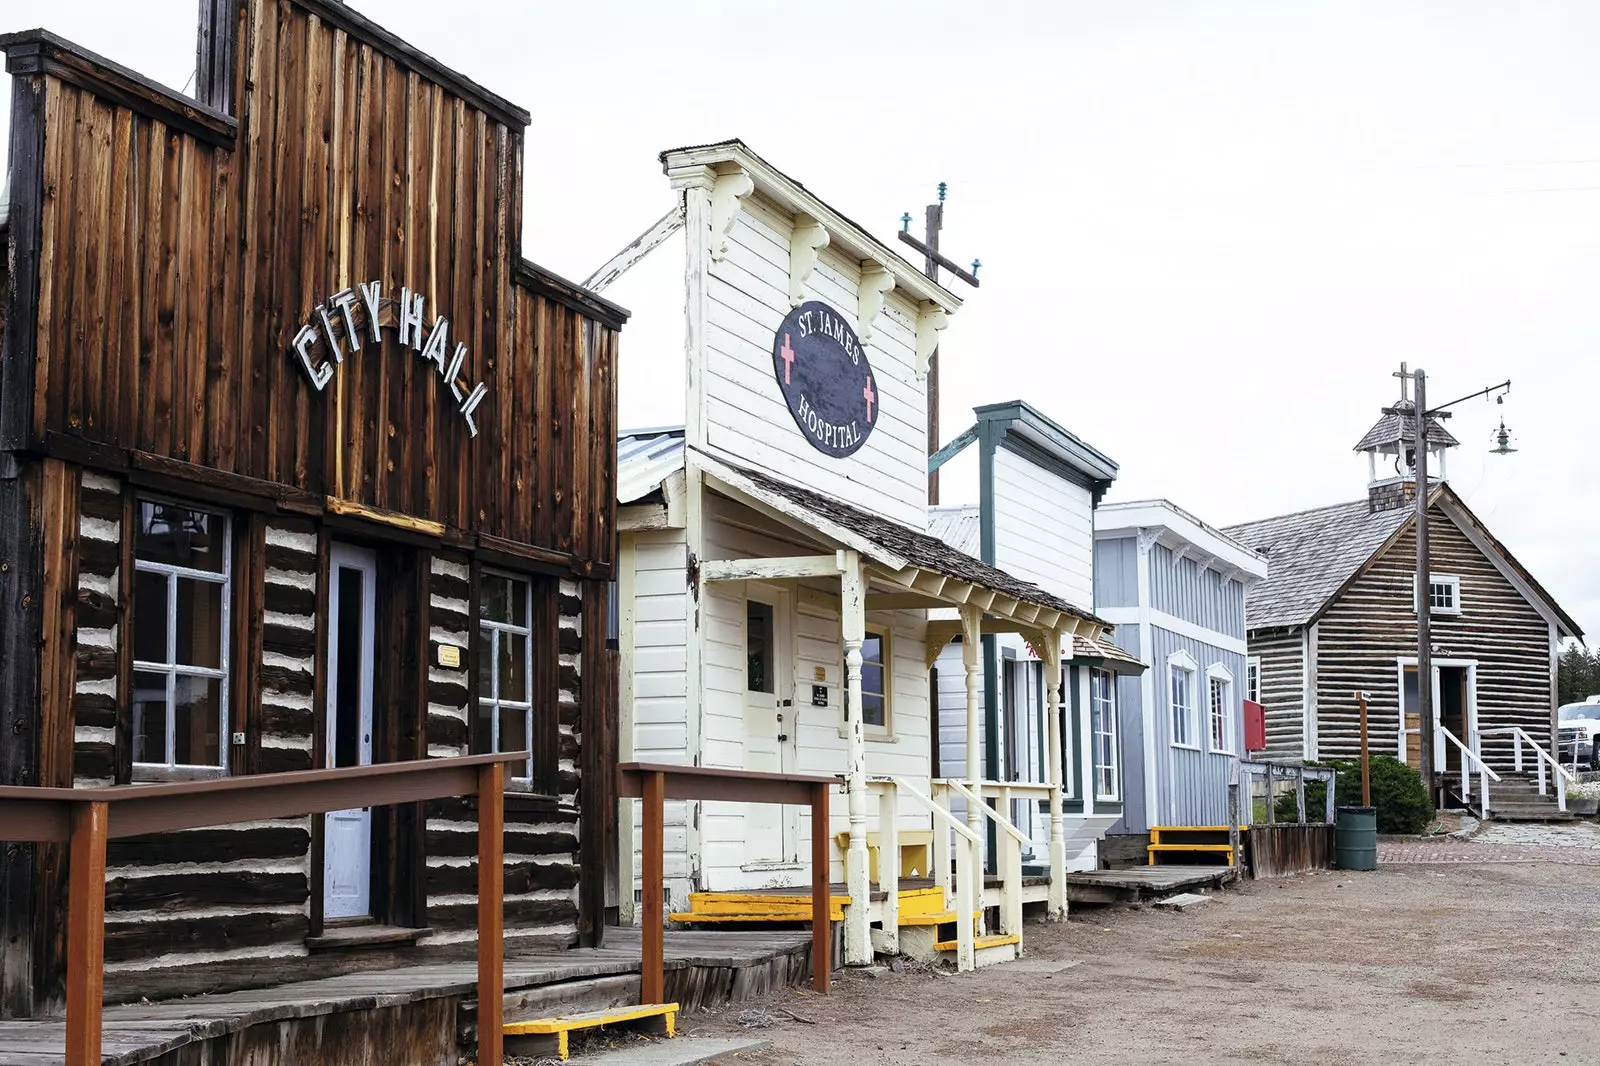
1210,231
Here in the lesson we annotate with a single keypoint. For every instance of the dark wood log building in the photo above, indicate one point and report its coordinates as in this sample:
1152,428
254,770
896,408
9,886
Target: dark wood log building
302,465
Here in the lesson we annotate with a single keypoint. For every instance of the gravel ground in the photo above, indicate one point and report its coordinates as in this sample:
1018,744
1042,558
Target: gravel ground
1419,963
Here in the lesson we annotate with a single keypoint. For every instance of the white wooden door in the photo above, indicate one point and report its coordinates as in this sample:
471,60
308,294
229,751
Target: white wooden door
347,835
771,733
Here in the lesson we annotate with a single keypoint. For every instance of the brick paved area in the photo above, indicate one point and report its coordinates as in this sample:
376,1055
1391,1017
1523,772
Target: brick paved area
1577,844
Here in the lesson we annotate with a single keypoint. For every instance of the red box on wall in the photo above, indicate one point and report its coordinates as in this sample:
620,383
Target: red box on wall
1255,726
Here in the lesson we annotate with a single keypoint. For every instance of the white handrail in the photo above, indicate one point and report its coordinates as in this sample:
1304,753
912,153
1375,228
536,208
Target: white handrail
989,812
1485,774
966,848
1562,775
1010,858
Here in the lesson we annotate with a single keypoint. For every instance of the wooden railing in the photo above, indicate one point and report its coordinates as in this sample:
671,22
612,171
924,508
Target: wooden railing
86,818
1519,737
655,783
1469,759
1010,840
968,888
1270,772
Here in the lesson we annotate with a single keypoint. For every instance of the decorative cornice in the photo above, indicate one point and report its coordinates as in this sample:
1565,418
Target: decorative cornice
931,318
876,283
732,186
805,243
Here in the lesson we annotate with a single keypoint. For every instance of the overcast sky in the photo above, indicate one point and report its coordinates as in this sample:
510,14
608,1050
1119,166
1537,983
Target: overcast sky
1210,231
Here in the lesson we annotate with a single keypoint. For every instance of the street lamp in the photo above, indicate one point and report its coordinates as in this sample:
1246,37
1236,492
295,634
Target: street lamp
1421,414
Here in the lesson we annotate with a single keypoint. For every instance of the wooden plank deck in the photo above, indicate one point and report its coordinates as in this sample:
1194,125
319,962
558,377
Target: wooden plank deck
137,1032
1140,882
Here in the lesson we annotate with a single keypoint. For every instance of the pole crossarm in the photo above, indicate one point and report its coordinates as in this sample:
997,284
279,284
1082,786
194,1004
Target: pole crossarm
965,275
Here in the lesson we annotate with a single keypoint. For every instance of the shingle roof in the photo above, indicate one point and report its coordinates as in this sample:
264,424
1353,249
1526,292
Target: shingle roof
1310,555
917,548
957,527
1401,426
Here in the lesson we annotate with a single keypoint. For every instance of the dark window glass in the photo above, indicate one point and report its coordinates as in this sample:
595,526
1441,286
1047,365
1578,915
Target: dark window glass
149,717
758,646
150,617
180,536
196,703
347,722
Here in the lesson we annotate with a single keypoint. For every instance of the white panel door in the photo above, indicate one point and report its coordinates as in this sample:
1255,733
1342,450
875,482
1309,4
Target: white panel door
771,831
347,835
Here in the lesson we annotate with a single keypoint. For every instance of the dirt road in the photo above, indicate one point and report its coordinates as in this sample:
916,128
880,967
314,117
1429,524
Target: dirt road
1457,963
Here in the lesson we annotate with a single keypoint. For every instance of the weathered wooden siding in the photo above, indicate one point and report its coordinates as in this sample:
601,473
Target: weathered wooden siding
1282,657
1364,634
1182,589
1043,528
179,261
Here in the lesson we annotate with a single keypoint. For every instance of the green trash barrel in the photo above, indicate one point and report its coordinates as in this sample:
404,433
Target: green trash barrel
1355,838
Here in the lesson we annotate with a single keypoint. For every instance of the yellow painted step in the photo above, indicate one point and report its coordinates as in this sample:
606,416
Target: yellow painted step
1188,847
979,943
563,1026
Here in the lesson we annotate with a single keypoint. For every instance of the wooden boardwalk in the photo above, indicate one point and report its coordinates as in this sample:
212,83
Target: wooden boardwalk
139,1032
1141,882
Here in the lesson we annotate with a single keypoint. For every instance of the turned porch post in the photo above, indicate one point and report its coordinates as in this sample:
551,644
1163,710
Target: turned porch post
1051,653
971,632
853,621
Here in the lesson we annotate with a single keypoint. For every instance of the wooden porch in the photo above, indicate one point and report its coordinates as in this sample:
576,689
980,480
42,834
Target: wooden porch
429,1010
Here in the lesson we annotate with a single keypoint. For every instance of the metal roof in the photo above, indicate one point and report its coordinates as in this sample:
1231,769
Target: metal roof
646,458
957,527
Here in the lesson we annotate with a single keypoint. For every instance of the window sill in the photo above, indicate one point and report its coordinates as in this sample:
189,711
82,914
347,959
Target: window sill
365,935
150,774
1223,751
1185,747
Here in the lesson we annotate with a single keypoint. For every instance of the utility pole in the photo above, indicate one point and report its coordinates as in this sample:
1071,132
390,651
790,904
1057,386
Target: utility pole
1421,415
933,222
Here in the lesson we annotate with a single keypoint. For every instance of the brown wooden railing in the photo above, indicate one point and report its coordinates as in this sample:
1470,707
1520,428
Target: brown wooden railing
655,783
85,818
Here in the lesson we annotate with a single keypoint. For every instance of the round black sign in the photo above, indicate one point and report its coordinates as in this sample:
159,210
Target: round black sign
826,381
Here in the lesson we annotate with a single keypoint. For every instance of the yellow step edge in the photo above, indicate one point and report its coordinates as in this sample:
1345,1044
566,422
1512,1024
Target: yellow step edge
563,1026
935,918
835,914
764,898
999,940
1188,847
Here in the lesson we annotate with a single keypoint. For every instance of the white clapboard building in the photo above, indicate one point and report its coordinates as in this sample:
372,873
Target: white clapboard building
1038,489
776,578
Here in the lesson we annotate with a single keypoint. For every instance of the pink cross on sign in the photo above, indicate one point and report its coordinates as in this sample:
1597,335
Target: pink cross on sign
870,396
788,358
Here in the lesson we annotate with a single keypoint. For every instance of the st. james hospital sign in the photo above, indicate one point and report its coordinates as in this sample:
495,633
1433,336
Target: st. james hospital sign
332,333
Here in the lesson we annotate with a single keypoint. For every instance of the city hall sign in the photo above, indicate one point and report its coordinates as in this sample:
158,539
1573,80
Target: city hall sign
826,379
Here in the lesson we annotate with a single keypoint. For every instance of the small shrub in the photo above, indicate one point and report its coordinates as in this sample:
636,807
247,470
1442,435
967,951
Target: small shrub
1403,804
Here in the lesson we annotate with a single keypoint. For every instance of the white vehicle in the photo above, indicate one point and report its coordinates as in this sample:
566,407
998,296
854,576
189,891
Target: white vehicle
1579,724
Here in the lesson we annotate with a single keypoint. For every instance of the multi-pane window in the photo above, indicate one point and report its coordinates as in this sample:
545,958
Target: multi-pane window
1221,719
505,663
1103,724
182,559
1444,594
875,680
1252,679
1183,705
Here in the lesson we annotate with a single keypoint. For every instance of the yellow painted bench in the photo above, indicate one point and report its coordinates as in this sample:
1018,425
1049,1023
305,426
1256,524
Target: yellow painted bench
562,1028
916,847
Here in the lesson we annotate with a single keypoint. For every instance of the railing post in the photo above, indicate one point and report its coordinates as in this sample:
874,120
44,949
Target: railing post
889,864
1300,794
86,931
1011,890
966,958
942,842
1329,800
1516,738
652,954
491,911
821,880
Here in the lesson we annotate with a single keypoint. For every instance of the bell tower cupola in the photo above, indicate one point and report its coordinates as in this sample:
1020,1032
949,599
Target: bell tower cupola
1390,446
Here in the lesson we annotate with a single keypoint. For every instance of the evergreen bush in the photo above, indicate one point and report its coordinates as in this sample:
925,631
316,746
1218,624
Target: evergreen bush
1402,803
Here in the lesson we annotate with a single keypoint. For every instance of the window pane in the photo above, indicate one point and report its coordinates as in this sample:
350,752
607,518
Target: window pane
872,710
871,679
149,717
519,602
181,536
514,731
150,617
494,598
872,648
513,668
199,623
758,647
486,654
197,721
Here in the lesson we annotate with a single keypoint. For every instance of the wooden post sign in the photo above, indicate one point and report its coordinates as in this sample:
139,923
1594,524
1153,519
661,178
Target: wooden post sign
338,316
826,379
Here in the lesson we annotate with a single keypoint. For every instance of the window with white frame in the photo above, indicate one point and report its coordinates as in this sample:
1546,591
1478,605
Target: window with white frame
1181,671
1219,700
1252,679
181,590
1444,594
505,664
1103,727
875,683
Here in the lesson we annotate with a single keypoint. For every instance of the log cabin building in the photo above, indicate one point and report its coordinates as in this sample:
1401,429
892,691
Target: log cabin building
1337,615
304,466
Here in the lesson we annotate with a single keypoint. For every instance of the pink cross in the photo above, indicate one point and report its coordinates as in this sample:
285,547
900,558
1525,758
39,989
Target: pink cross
788,358
870,396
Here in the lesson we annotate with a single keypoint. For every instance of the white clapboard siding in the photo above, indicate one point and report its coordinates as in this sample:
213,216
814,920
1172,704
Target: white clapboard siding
1043,528
746,418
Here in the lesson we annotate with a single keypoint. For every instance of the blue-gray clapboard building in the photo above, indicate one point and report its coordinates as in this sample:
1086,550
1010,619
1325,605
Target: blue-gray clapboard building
1175,589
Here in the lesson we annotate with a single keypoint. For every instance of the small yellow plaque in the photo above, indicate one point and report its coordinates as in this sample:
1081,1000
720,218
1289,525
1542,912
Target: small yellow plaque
820,673
450,656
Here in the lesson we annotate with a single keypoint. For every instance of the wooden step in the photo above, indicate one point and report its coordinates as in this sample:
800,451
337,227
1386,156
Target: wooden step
561,1028
997,940
933,918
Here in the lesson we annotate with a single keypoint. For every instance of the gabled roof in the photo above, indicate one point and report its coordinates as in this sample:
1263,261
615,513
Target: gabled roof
1313,555
1398,424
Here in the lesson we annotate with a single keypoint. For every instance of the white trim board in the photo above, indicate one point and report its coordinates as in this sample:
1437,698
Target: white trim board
1173,624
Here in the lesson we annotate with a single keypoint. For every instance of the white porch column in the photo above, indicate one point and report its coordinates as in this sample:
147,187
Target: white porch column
853,623
971,632
1057,902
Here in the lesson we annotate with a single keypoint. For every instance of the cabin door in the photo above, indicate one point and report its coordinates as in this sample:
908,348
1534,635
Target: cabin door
347,835
772,832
